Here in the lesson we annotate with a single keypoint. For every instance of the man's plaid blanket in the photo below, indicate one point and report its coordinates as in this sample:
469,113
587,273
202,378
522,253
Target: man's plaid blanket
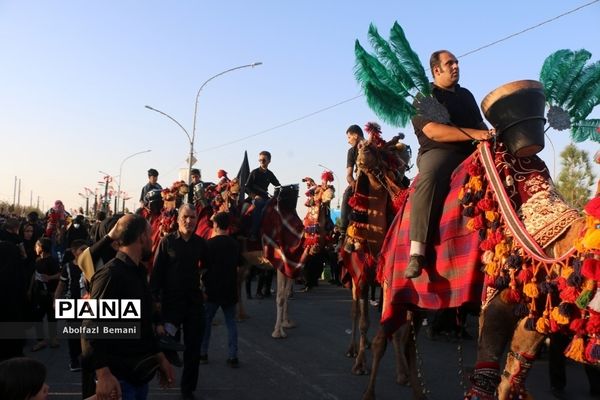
452,275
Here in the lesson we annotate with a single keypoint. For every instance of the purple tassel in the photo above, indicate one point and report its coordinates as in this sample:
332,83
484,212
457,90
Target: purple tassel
547,288
566,309
521,310
482,234
501,282
595,353
577,263
469,212
495,225
478,196
575,280
466,198
514,261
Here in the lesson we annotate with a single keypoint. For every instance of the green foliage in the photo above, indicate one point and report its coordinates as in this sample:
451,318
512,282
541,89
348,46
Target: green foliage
392,77
575,177
18,210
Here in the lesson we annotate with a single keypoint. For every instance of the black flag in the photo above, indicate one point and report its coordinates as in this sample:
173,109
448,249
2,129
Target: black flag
242,177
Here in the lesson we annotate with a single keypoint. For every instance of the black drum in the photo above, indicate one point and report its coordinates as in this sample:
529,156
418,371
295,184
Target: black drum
287,196
516,110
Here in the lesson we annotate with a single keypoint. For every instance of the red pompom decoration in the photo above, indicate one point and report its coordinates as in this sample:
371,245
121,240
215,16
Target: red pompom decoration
327,176
591,269
593,324
593,207
569,294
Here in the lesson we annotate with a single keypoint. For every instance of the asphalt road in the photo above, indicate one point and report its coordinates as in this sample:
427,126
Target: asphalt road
310,363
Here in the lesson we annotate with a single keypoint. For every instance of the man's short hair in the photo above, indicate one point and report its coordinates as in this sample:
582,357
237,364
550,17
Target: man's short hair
221,220
101,215
434,60
45,244
266,154
355,130
132,229
12,224
152,172
195,171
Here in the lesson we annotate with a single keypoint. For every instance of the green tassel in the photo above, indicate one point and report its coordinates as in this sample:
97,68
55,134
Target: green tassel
584,299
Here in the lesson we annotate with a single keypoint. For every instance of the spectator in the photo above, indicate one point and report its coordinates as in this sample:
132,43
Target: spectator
23,379
77,231
220,281
124,367
45,280
95,233
71,286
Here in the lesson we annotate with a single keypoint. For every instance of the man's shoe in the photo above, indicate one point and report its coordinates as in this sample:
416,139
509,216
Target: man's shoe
415,266
233,362
203,359
74,366
173,358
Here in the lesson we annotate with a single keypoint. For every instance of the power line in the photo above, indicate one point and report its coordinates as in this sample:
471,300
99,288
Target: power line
528,29
362,95
283,124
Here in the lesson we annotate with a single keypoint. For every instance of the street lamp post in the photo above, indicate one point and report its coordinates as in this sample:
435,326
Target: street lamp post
118,196
192,137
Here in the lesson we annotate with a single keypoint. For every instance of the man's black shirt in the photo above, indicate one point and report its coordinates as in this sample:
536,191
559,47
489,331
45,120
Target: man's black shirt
175,280
122,279
220,279
259,180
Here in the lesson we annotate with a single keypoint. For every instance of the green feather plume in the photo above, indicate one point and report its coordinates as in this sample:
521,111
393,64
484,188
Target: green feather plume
586,129
572,90
409,59
392,77
587,93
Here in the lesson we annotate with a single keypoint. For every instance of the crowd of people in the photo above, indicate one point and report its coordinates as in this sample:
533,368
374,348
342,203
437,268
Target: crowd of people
181,278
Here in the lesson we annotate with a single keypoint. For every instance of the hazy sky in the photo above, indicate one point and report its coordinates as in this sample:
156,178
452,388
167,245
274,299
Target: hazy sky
76,75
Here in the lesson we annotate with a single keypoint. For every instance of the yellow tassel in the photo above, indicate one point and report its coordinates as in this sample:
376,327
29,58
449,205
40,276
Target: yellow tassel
461,193
475,183
491,269
558,317
471,224
501,249
576,349
566,271
531,290
543,325
351,231
491,216
589,284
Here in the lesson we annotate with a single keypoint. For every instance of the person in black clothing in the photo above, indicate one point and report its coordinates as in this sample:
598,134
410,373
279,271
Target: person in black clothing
442,147
125,366
220,281
78,230
257,187
95,234
355,136
71,286
176,290
195,179
43,286
151,185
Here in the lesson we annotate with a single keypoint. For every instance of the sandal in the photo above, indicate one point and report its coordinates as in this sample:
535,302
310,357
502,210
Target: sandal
39,346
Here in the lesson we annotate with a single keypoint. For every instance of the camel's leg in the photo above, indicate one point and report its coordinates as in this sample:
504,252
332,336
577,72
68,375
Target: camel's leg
523,348
360,364
351,353
496,326
242,274
378,347
400,339
278,332
286,321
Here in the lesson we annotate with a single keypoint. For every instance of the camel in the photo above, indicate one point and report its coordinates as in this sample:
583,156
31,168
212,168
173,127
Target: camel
381,167
505,305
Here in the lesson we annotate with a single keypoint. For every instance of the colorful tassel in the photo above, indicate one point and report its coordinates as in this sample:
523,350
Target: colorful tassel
594,304
558,317
575,350
531,290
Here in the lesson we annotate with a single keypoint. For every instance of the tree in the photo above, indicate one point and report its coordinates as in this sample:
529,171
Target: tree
575,177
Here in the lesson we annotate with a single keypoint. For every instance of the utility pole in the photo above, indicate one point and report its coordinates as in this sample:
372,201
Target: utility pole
19,197
15,192
38,202
31,198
